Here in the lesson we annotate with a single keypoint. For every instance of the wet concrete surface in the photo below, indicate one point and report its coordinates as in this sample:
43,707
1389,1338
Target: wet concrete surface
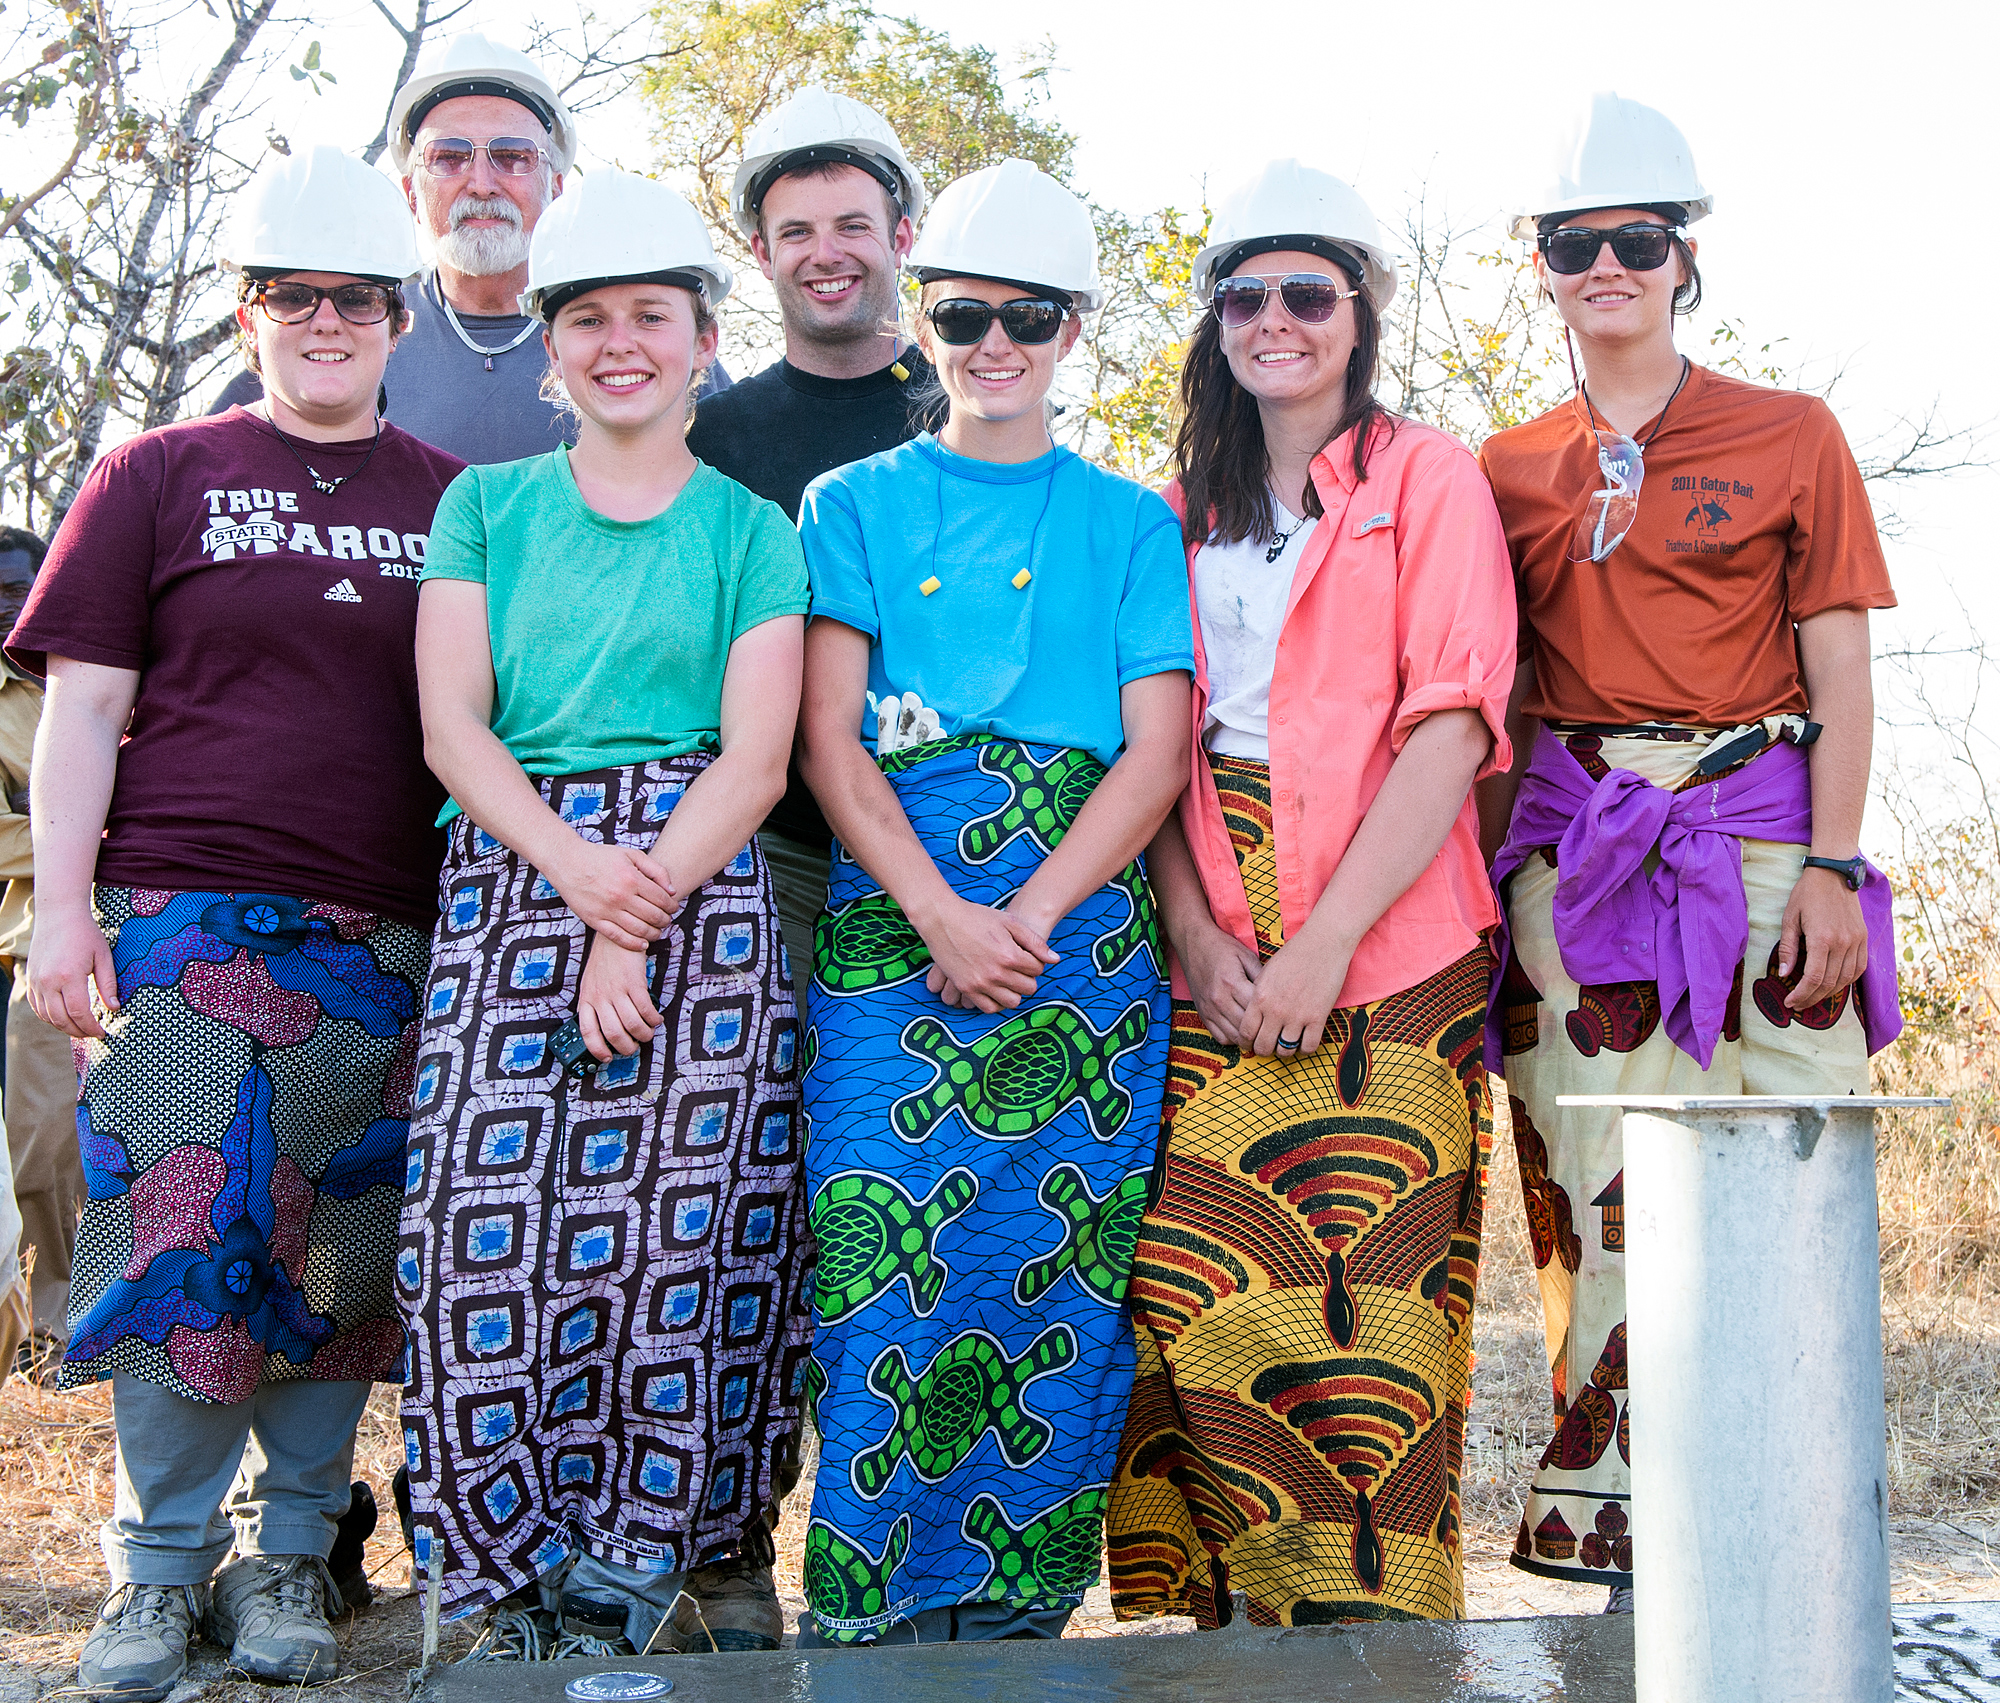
1945,1653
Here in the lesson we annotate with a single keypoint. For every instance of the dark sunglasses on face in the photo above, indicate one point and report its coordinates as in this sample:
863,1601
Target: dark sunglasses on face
509,156
1309,297
1575,248
292,304
962,320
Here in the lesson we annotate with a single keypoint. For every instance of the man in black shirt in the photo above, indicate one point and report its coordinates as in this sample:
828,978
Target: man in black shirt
828,201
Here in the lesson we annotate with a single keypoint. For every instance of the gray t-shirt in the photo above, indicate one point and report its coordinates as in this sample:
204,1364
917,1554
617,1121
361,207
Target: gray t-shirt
442,392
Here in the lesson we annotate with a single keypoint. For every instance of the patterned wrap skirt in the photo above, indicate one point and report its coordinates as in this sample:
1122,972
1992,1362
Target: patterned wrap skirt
976,1187
603,1279
1302,1296
242,1129
1562,1038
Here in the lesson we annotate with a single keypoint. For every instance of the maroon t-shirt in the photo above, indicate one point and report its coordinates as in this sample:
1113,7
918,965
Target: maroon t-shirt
275,745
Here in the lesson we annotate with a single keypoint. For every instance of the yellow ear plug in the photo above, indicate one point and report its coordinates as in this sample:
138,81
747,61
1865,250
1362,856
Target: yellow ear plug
930,585
1021,579
899,372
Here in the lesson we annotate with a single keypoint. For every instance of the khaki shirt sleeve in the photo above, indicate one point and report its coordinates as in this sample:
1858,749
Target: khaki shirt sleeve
20,710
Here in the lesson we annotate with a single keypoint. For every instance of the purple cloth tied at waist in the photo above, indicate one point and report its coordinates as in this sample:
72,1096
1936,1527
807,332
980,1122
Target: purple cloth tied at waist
1686,924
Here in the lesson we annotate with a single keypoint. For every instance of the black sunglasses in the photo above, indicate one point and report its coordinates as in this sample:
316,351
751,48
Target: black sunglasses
961,320
1309,297
509,156
1575,248
292,304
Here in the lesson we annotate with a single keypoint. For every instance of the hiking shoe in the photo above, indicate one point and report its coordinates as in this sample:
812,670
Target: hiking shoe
727,1605
348,1560
138,1649
271,1611
1621,1600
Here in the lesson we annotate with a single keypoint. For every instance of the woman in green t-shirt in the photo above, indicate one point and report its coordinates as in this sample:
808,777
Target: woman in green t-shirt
602,1254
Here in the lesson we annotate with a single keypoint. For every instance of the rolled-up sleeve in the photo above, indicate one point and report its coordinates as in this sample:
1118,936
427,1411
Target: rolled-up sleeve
1455,614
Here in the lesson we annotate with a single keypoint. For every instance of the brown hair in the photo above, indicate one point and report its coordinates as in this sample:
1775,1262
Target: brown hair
246,345
1219,455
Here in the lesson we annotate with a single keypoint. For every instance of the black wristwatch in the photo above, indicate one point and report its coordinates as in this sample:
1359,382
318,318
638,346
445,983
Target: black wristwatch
1853,870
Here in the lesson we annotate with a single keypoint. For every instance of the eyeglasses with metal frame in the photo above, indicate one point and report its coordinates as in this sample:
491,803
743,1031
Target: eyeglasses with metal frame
1311,298
509,156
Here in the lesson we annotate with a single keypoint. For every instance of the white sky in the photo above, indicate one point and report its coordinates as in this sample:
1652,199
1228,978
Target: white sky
1849,147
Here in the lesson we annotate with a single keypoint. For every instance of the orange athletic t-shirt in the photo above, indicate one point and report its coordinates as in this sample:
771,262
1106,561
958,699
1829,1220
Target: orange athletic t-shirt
1752,517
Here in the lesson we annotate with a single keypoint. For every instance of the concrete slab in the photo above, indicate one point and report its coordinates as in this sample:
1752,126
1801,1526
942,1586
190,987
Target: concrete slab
1576,1660
1945,1653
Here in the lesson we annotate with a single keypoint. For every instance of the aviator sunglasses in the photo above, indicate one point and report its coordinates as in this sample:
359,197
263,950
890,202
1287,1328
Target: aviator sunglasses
962,320
509,156
293,304
1309,297
1575,248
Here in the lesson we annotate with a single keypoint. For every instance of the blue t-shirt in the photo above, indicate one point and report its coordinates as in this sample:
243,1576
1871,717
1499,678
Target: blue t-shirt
1105,601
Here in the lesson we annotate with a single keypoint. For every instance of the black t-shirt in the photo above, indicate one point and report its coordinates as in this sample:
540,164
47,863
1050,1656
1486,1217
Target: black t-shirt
779,430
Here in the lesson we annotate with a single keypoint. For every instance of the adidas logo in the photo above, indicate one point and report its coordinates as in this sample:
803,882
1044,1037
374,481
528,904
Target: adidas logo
342,593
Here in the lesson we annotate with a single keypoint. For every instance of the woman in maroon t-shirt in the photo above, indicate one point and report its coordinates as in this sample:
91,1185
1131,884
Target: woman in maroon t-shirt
233,916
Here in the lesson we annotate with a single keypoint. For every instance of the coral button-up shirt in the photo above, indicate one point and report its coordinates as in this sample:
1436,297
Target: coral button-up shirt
1402,605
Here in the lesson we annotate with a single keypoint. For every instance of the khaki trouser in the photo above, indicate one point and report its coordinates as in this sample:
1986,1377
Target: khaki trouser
1608,1039
41,1137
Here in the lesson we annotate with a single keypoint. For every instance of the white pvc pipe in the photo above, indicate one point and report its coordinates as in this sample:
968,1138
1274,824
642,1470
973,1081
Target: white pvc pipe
1760,1484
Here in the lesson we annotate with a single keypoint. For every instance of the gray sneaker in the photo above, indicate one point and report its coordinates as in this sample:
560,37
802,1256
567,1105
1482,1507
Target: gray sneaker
1621,1600
271,1611
138,1649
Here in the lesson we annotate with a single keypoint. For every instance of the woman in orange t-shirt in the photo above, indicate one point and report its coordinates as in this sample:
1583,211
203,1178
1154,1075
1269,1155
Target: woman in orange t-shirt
1302,1287
1695,560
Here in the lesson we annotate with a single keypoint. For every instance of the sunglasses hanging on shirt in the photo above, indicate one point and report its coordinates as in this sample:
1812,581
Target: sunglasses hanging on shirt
1609,514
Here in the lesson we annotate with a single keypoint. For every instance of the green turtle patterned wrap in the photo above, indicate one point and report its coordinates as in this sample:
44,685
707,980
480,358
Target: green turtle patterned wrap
977,1184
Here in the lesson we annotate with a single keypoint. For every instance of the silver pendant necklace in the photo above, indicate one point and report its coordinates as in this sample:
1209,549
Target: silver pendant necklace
480,349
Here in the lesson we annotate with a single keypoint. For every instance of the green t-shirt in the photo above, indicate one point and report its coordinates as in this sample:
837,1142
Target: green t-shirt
610,636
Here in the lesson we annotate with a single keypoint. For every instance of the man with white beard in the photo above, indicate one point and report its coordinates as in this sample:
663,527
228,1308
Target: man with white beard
482,139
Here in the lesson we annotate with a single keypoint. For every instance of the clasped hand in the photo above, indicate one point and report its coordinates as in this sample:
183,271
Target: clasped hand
987,959
1254,1005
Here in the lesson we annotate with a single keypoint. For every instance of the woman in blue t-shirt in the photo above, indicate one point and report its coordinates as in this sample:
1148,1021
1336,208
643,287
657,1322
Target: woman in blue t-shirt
603,1235
1006,628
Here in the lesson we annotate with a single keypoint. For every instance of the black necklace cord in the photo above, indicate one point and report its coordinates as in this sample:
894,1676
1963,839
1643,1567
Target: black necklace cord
1659,419
325,486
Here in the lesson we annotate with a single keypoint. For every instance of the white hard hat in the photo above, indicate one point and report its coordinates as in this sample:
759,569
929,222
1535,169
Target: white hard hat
615,227
1014,223
470,64
319,210
1618,153
818,127
1289,205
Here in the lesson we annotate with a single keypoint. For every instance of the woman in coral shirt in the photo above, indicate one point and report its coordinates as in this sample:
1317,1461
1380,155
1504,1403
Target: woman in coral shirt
1304,1280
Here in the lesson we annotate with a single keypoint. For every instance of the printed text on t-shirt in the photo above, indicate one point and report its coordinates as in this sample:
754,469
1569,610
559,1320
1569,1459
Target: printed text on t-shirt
256,521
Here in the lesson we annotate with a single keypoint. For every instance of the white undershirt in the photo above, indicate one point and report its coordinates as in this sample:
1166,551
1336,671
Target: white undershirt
1241,599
